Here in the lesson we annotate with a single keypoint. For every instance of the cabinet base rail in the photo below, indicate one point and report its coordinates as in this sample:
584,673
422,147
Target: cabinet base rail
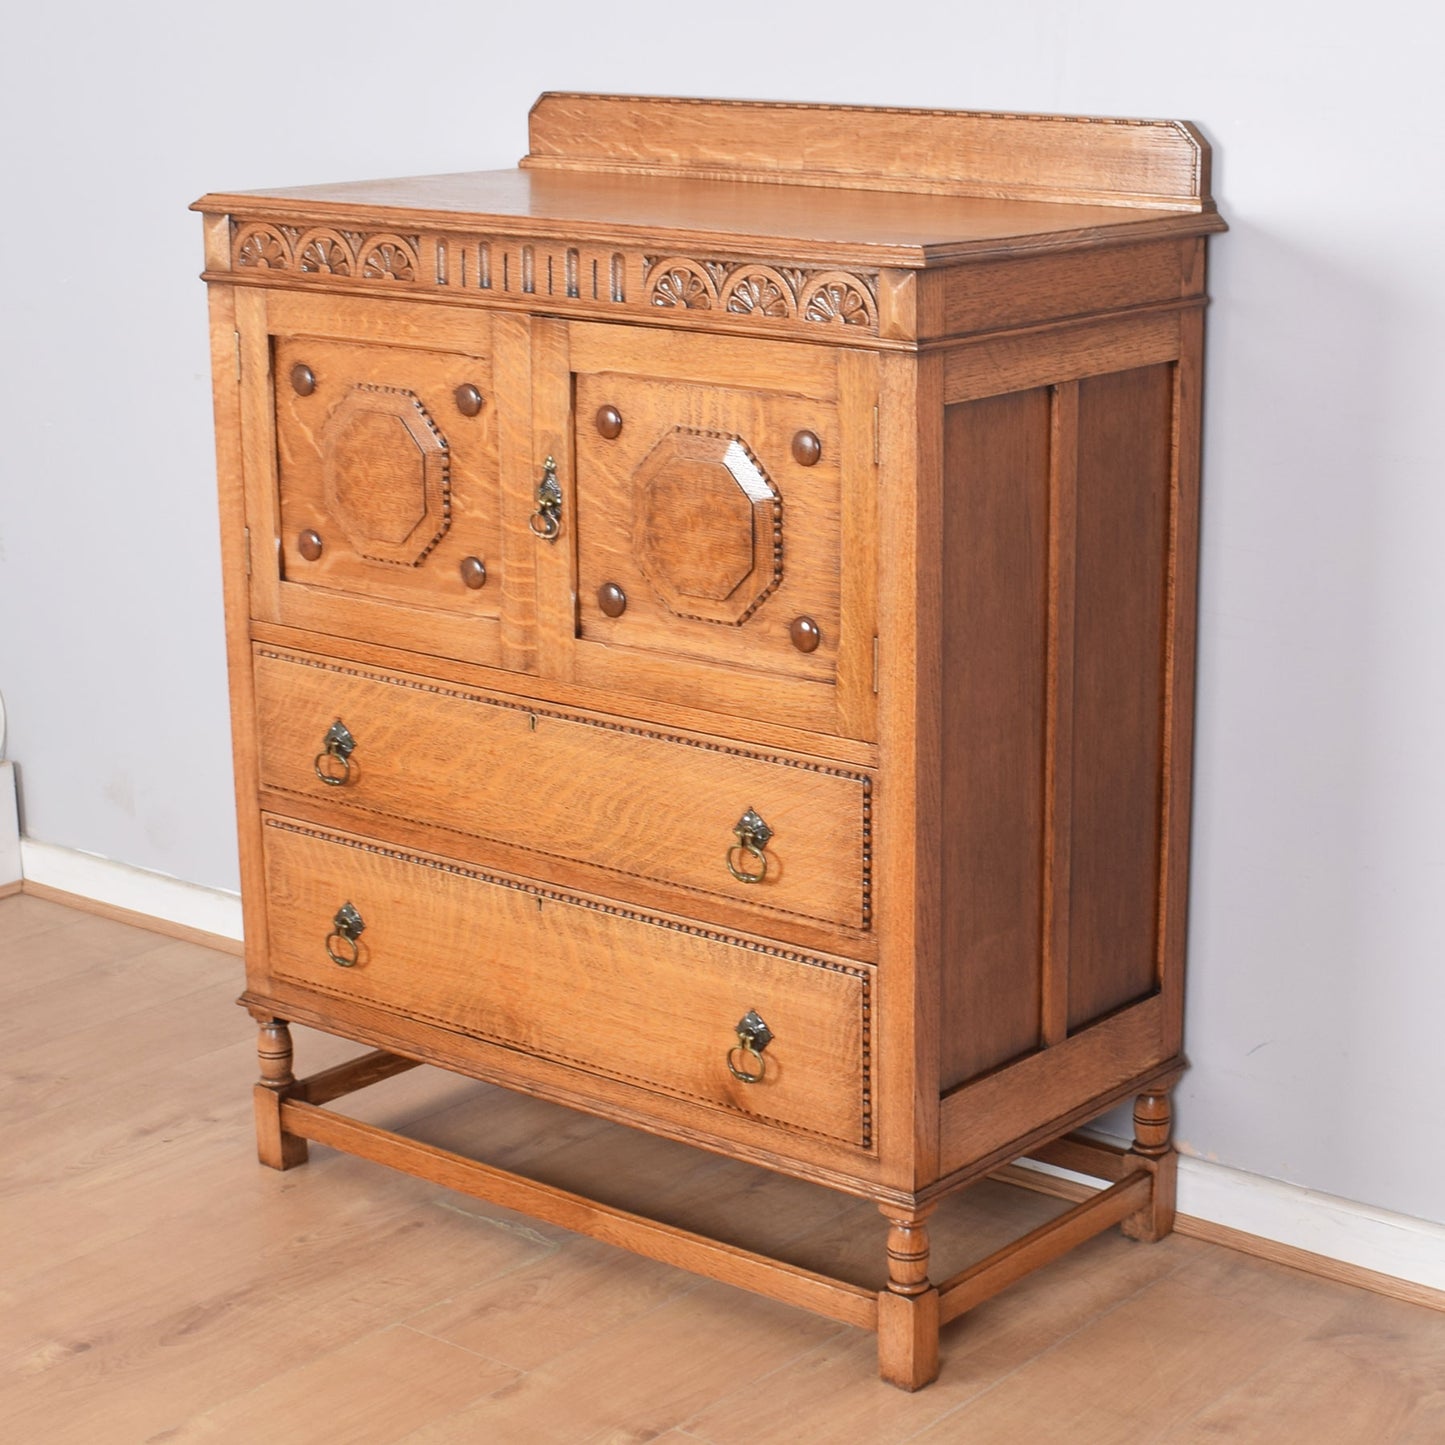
906,1315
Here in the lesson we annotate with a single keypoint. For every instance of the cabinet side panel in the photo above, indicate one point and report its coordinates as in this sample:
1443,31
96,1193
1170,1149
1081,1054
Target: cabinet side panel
1120,575
995,536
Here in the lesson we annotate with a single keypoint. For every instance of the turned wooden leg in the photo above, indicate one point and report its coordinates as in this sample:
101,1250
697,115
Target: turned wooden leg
1153,1120
274,1146
908,1308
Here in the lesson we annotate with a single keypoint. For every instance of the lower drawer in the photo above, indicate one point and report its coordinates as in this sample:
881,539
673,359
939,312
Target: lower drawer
640,998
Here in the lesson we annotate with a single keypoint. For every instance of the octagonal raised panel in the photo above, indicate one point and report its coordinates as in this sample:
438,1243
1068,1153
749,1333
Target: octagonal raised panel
708,526
385,475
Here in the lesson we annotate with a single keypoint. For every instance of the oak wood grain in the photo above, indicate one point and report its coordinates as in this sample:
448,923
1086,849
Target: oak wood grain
1161,163
995,536
601,792
835,463
595,987
1122,520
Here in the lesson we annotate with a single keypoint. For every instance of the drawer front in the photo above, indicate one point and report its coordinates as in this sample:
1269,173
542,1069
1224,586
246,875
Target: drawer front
388,494
608,990
616,796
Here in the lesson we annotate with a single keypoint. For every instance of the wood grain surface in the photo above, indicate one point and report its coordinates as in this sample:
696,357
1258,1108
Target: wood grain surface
960,153
594,986
600,791
836,463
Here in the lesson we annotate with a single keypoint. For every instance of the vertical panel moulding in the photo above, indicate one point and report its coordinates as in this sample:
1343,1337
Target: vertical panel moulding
529,270
908,807
241,403
1122,525
1181,587
572,287
619,276
259,465
484,265
441,263
857,403
1059,712
555,561
512,358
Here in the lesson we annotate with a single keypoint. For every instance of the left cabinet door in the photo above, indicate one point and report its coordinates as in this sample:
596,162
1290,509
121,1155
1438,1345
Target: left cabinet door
373,489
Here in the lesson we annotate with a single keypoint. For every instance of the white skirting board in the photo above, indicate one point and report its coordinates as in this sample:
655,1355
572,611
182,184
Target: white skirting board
211,910
1338,1229
10,870
1342,1230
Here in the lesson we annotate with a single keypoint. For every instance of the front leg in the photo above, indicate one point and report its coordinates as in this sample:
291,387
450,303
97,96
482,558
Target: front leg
274,1146
908,1308
1153,1122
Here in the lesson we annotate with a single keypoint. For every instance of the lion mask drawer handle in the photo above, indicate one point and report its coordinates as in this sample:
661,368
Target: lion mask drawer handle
347,926
336,747
745,859
745,1058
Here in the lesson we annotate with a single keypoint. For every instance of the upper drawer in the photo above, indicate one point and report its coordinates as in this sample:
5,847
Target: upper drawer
372,459
633,803
608,990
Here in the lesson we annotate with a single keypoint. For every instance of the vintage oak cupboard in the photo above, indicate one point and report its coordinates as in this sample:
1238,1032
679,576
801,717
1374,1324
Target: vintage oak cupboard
711,630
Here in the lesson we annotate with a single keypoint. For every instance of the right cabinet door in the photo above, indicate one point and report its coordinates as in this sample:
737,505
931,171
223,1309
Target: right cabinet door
723,499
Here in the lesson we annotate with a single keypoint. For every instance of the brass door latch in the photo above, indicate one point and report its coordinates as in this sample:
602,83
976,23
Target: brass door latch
546,521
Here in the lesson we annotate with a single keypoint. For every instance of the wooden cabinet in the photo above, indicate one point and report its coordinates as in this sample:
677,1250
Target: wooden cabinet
740,563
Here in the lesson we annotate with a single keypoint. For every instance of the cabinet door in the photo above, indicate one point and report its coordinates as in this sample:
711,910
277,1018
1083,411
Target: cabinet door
372,470
722,493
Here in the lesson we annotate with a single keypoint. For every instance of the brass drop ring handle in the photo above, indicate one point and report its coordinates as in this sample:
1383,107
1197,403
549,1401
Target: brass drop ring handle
336,747
752,835
341,943
753,1037
745,874
747,1076
546,521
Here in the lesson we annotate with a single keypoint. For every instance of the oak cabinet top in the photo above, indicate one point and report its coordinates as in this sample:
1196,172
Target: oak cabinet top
902,188
854,226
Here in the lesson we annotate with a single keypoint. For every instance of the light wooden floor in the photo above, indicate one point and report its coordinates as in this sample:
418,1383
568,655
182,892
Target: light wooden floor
157,1285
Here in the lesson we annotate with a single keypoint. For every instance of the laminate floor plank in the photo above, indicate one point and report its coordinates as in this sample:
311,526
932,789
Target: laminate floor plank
553,1304
834,1393
44,949
158,1285
1132,1375
372,1391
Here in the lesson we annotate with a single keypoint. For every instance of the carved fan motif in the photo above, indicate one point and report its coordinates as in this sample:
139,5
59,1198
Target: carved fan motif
262,248
839,300
760,293
324,253
684,284
389,258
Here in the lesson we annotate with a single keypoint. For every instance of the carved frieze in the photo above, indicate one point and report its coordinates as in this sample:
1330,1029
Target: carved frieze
760,292
748,292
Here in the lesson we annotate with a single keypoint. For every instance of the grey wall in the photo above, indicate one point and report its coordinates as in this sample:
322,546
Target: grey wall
1317,982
